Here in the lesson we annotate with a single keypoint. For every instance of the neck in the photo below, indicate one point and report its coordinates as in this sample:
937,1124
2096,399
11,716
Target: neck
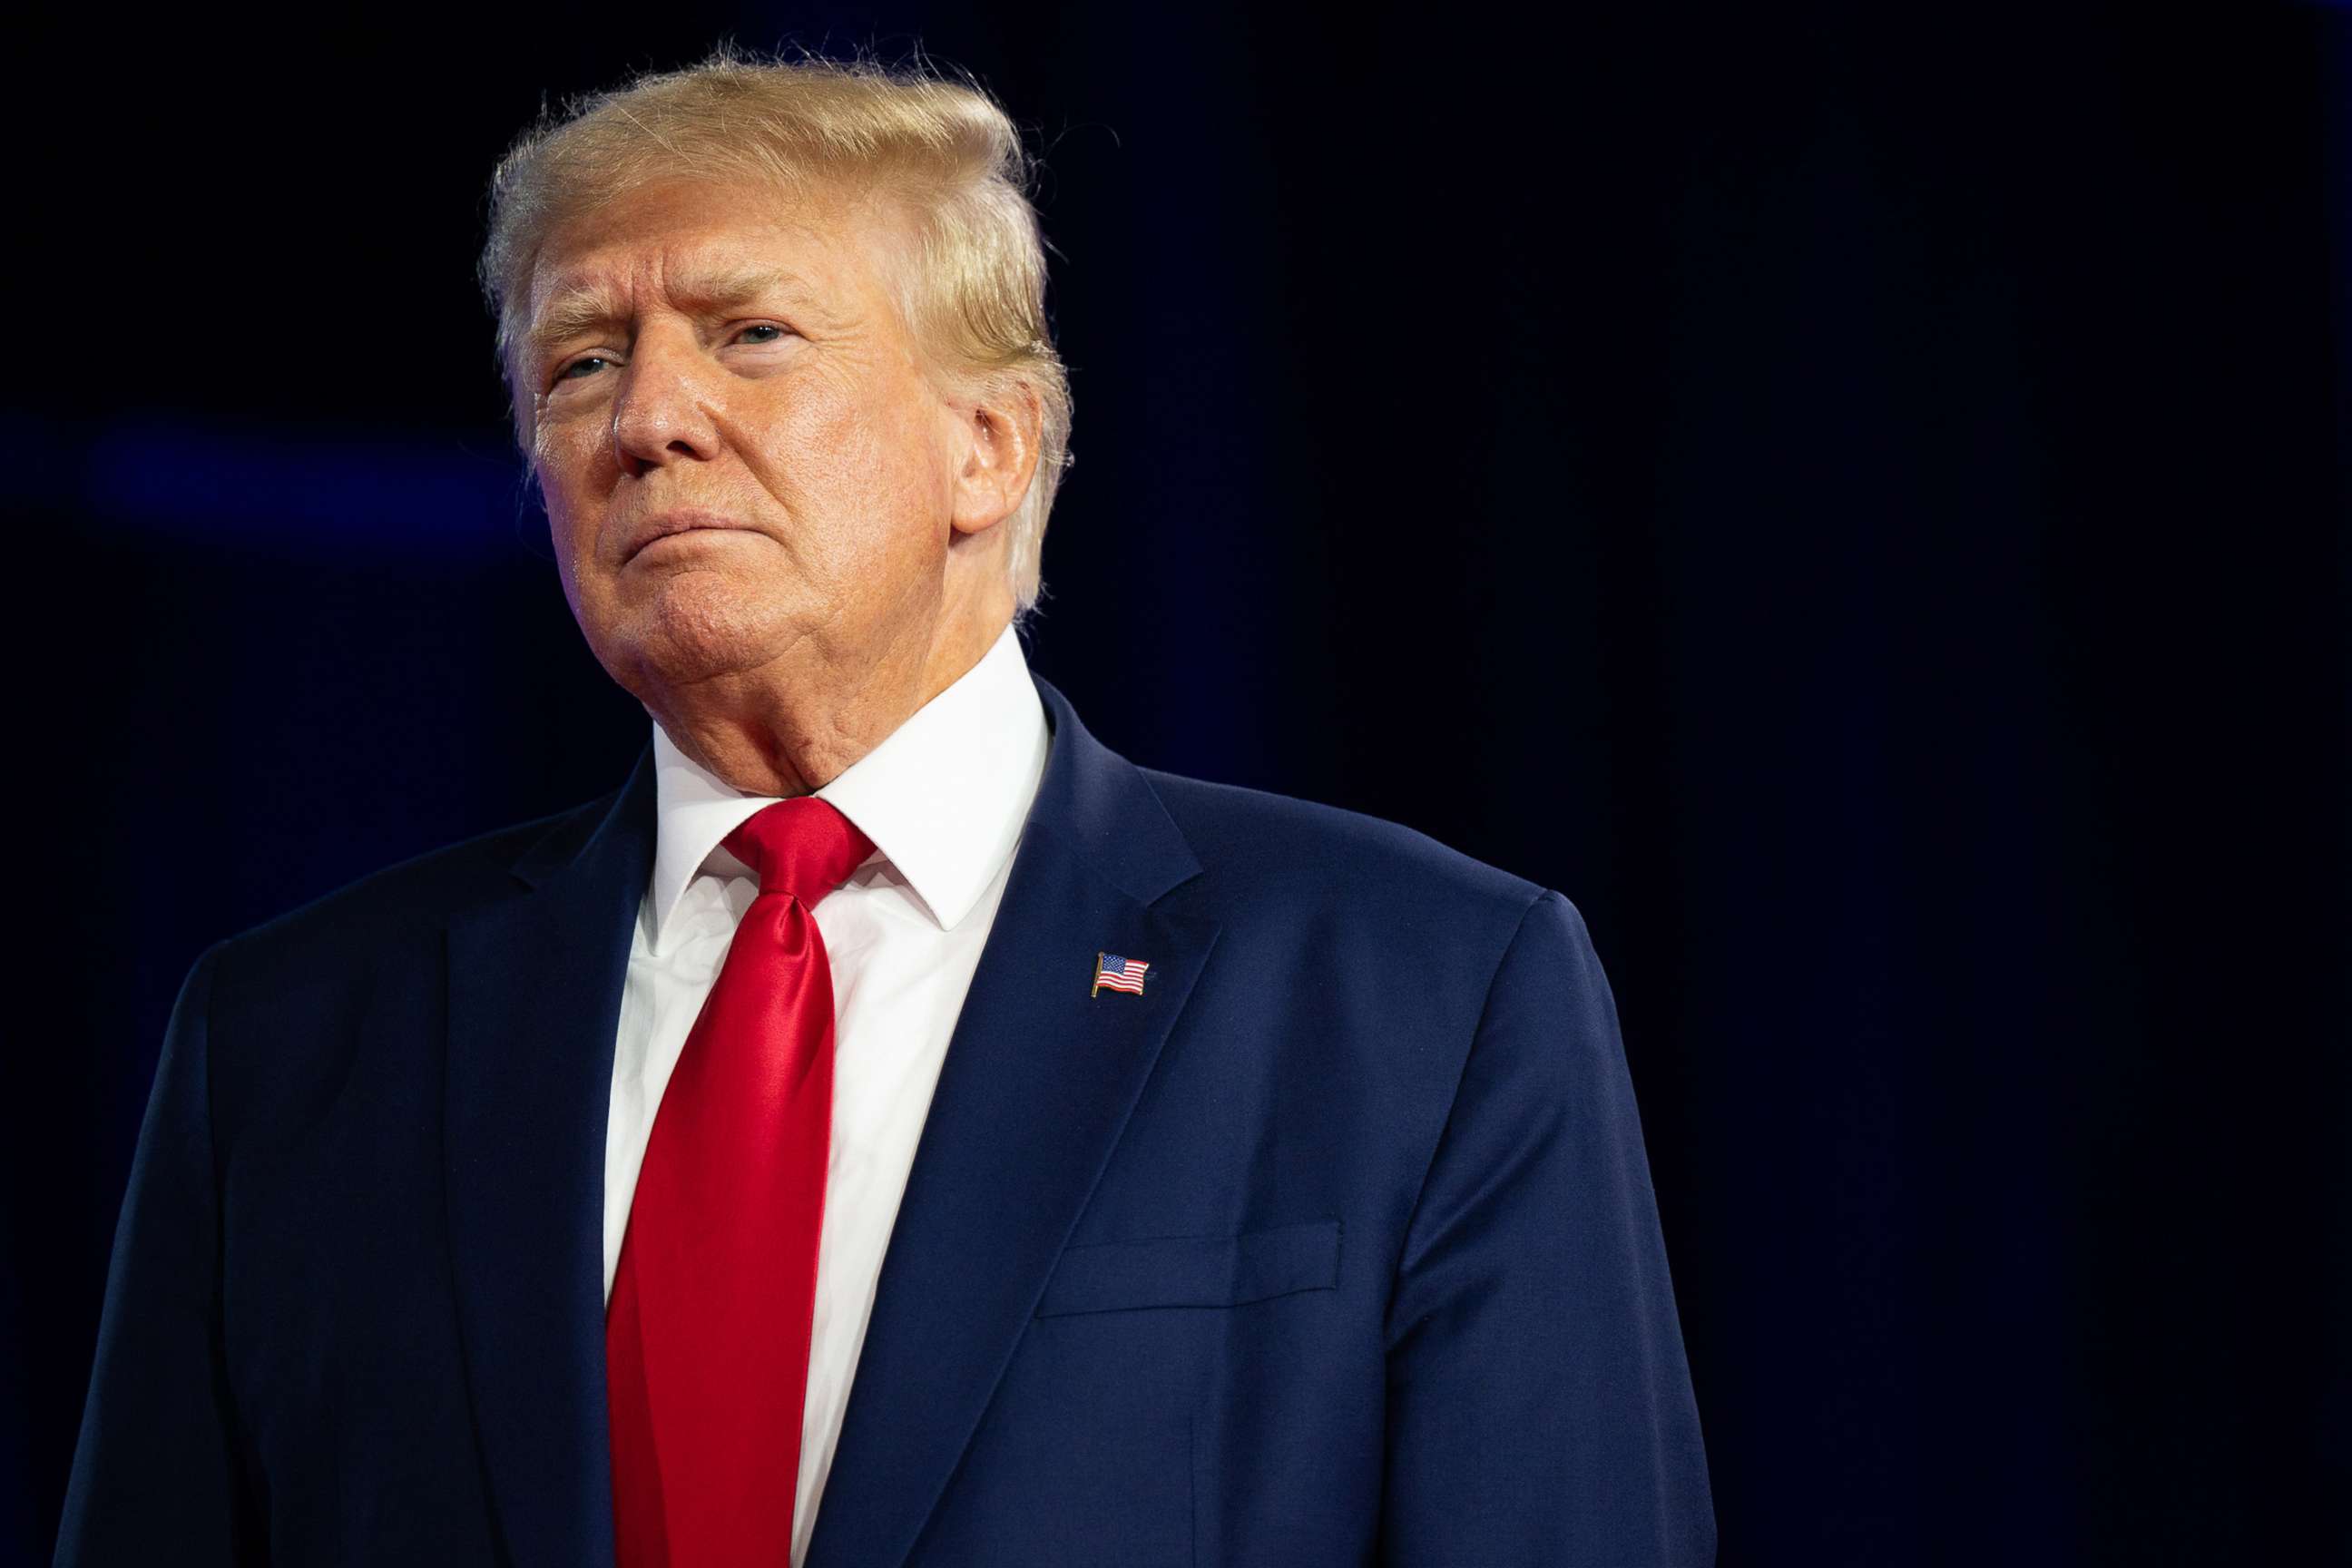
785,731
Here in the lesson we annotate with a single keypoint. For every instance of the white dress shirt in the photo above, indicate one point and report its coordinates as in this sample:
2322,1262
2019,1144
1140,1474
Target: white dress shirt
943,799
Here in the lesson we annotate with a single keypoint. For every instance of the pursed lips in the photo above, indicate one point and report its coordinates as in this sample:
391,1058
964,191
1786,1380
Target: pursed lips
672,523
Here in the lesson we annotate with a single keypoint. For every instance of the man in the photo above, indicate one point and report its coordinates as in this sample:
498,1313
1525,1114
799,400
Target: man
890,1128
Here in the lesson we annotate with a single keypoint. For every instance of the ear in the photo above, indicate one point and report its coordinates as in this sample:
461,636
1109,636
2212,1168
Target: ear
1002,428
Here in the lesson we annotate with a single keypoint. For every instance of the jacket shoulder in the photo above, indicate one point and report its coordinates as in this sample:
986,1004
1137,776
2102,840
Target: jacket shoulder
422,892
1309,855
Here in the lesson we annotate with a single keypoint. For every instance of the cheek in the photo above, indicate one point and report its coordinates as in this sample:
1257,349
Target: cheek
573,499
862,472
564,532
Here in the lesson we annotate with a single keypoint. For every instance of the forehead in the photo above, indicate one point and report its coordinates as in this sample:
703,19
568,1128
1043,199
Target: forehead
687,242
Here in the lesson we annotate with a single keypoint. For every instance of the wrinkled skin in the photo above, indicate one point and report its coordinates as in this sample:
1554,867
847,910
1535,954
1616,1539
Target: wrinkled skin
778,526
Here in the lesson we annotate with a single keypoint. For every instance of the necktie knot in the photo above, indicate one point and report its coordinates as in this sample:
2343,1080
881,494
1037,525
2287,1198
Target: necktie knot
802,847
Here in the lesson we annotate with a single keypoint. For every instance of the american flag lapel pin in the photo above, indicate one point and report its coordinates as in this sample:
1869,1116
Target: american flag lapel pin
1118,973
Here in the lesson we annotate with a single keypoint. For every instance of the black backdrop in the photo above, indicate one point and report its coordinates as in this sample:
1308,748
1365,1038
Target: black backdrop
1856,499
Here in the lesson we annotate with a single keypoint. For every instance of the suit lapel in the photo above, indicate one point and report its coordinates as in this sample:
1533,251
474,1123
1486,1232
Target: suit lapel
1038,1081
534,1002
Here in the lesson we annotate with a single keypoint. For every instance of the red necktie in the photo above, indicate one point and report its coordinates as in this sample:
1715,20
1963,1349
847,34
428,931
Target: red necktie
707,1334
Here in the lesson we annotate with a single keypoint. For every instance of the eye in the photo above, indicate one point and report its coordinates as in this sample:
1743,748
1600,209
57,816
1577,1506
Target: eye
572,372
745,336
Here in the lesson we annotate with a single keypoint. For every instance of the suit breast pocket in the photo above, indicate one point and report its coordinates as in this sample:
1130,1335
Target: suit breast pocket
1195,1270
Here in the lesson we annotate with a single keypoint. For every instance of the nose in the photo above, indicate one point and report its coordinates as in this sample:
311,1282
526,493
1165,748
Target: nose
662,412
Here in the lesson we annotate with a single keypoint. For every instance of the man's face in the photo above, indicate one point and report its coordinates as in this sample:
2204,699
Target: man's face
744,464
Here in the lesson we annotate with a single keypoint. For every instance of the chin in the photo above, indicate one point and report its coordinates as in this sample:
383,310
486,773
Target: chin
697,625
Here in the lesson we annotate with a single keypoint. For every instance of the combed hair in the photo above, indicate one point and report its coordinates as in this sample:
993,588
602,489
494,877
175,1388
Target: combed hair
974,296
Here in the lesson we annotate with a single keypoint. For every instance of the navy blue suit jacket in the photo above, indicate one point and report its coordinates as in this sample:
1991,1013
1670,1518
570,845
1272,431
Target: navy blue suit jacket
1336,1245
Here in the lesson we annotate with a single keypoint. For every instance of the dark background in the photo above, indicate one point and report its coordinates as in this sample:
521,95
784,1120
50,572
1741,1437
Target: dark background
1856,499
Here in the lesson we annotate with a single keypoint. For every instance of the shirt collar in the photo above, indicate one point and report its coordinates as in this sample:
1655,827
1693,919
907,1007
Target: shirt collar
943,797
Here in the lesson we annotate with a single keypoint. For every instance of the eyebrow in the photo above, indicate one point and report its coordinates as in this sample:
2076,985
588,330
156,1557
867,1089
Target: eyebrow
580,307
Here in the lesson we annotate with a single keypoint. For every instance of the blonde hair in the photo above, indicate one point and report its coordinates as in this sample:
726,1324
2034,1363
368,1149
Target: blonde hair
974,297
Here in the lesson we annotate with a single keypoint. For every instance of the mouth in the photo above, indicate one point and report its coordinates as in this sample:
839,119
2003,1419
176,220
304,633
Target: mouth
675,524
